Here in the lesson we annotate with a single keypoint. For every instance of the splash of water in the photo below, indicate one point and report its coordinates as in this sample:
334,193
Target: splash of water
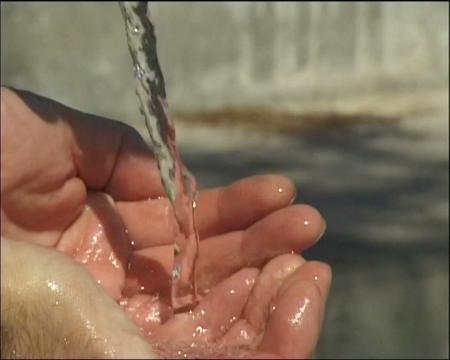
179,184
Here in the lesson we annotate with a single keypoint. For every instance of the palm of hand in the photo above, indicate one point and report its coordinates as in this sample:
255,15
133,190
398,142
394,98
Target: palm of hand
92,191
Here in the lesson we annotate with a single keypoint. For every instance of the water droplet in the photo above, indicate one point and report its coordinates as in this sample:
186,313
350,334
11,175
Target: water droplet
113,260
296,319
52,285
199,330
244,334
138,72
172,172
176,272
153,316
249,282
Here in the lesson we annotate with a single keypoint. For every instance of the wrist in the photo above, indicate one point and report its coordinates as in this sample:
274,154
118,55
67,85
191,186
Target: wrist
52,308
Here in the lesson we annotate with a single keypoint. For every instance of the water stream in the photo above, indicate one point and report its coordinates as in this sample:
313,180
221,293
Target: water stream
179,184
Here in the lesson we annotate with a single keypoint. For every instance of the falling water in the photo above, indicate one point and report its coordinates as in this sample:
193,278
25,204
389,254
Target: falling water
178,182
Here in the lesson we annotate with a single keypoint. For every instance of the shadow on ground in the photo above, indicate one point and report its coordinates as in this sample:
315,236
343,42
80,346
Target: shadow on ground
384,192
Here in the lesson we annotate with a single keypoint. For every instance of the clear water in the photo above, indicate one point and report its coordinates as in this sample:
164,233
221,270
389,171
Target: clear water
179,184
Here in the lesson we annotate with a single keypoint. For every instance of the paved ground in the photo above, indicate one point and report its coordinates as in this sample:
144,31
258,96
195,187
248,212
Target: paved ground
384,192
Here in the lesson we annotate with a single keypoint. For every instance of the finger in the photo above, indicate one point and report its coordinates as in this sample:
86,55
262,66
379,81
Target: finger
256,312
98,240
220,210
316,272
148,222
291,229
214,315
239,205
135,175
223,305
294,326
107,154
112,156
149,272
147,312
266,287
240,334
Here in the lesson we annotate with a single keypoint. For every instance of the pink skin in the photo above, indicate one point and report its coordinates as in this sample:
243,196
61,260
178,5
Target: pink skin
89,187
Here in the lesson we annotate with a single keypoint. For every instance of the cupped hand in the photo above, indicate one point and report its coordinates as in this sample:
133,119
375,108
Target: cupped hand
90,187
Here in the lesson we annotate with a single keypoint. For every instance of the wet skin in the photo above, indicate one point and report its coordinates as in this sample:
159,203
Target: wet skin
90,188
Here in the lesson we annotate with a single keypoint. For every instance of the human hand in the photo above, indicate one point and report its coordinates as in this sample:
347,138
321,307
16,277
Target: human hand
91,189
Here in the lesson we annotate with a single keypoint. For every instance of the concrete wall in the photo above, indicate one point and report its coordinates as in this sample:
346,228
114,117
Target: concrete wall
237,53
226,54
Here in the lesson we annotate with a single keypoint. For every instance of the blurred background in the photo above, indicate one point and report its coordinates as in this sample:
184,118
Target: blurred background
350,100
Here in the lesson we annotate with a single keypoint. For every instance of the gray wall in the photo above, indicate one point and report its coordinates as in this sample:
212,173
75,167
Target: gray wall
226,54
